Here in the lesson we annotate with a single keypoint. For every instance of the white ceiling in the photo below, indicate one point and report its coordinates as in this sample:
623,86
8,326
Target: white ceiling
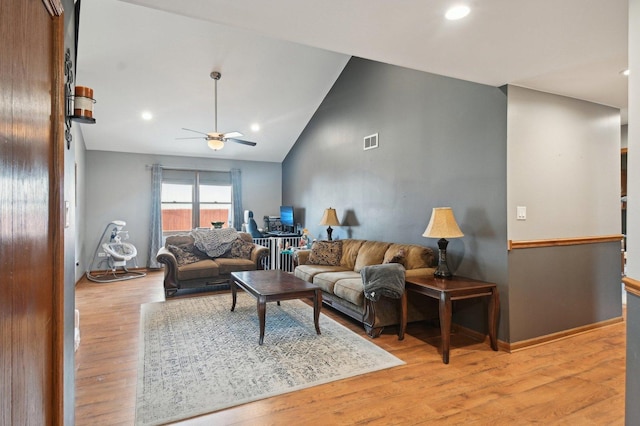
279,59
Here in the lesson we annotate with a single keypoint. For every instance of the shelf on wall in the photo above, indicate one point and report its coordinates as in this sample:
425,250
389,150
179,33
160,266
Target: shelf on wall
81,119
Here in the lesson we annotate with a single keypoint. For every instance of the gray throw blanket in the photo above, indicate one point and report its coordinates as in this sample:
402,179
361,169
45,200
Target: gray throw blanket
214,242
383,280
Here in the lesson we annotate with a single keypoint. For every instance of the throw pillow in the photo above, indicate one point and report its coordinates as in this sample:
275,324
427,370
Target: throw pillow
399,257
241,249
326,253
183,256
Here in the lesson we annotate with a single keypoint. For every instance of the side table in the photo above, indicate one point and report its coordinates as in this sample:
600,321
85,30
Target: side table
457,288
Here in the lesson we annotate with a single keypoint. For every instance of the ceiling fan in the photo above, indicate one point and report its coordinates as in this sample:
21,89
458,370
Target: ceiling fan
214,139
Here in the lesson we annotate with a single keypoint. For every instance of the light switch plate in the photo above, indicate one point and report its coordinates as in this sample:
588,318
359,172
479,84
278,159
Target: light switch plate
521,213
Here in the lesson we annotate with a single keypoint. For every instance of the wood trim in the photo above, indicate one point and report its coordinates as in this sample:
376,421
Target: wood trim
56,215
529,343
522,244
623,150
631,285
54,7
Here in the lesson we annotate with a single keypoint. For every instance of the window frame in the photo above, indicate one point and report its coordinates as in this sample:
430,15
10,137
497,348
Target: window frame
196,178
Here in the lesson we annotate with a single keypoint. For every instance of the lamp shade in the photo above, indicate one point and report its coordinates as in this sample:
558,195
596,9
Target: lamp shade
329,218
215,144
442,224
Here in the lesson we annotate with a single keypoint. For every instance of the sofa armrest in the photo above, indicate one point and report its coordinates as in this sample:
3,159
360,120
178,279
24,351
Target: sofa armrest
419,272
260,255
300,257
170,262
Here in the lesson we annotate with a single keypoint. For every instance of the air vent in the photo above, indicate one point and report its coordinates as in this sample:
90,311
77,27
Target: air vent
371,141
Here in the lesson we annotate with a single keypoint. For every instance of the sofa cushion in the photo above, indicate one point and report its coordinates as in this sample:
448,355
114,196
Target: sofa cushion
240,249
326,253
202,269
398,258
326,280
351,290
186,254
415,256
350,252
179,240
370,253
307,272
227,265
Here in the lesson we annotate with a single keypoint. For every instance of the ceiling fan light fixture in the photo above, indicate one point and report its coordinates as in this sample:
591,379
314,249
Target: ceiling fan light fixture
457,12
215,144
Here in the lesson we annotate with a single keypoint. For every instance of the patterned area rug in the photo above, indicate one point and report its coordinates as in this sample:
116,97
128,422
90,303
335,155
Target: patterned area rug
197,356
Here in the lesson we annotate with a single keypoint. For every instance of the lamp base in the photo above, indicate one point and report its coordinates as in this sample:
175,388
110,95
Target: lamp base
442,271
329,232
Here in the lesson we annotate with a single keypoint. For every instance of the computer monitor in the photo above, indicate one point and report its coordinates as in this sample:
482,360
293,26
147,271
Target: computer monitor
286,218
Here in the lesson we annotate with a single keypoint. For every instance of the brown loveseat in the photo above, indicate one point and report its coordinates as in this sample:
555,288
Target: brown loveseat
342,286
188,267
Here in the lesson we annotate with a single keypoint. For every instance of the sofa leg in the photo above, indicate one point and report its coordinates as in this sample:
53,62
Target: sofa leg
373,332
170,292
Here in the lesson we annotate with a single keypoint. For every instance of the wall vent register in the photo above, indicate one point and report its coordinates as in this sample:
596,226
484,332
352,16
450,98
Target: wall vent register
371,141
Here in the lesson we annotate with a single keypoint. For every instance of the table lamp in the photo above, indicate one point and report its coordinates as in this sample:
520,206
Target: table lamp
329,218
442,225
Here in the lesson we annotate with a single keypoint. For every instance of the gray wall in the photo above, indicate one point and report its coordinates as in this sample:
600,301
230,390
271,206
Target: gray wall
553,289
118,187
442,143
563,164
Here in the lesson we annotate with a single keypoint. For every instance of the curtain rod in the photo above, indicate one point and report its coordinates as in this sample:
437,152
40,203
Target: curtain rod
149,166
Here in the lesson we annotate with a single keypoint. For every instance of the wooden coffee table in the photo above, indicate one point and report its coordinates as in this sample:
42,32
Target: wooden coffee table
457,288
274,286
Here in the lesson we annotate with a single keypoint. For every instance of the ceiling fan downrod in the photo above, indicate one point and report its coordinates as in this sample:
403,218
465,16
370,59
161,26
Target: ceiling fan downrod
216,76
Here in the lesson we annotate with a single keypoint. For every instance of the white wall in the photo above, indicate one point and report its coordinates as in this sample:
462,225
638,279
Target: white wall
118,187
79,202
563,165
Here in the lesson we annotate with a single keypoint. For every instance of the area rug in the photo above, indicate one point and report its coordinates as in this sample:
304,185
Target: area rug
197,356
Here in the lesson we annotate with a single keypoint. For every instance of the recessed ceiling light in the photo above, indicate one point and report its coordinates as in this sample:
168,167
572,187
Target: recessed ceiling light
625,72
255,127
146,115
457,12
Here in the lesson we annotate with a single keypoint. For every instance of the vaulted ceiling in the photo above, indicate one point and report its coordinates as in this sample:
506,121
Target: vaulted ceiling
279,59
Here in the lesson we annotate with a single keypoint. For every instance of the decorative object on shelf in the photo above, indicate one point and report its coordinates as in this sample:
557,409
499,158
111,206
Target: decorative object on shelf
442,225
329,219
83,105
83,97
217,225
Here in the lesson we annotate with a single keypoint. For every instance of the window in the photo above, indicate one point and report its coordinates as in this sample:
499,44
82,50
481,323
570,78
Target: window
192,199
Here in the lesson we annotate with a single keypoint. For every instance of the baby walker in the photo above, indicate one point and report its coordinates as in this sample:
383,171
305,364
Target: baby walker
115,254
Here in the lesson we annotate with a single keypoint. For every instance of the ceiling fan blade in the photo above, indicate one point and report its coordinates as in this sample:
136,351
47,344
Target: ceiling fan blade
196,131
241,141
195,137
232,135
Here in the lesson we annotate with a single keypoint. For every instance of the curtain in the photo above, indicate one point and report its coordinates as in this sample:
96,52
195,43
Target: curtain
236,199
155,232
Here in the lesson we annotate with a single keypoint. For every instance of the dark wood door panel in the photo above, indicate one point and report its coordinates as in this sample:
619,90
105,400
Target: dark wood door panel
27,323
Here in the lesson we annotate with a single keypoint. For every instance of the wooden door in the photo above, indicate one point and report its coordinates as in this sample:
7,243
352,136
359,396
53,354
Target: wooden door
31,144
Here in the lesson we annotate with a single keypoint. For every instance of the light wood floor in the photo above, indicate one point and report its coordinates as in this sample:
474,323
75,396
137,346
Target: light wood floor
576,381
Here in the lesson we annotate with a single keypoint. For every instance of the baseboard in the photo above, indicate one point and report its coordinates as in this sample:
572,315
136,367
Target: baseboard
537,341
549,338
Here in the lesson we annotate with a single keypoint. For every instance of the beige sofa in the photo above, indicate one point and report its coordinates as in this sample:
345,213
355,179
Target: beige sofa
187,267
342,286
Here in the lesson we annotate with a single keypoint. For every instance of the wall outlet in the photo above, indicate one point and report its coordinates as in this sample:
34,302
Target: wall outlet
521,213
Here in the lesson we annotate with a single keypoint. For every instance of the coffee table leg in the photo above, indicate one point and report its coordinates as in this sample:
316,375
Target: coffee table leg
317,305
262,309
445,325
232,286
